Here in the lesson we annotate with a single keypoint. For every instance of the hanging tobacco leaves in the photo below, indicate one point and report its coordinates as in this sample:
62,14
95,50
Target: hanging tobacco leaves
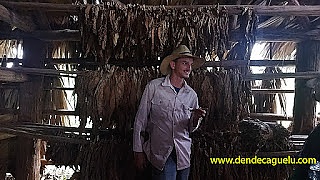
142,34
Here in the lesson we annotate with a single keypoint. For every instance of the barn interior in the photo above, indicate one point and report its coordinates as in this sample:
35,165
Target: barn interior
73,72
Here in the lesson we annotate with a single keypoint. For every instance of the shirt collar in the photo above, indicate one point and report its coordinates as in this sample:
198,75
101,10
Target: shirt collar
166,82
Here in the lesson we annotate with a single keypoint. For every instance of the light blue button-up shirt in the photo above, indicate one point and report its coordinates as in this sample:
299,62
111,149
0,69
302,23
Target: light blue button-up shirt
165,115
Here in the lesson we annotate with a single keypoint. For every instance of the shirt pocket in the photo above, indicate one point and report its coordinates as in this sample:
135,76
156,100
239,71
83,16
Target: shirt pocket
160,104
160,108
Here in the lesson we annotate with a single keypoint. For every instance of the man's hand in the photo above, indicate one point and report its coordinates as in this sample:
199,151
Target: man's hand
197,114
140,160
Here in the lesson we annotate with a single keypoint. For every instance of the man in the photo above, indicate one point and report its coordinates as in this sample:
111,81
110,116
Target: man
167,114
311,149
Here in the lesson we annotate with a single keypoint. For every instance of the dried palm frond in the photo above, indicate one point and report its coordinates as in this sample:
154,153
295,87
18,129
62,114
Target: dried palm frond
279,50
273,51
9,98
267,102
65,49
9,48
57,99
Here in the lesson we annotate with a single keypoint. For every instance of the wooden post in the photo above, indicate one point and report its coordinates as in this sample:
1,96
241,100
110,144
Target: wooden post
308,59
28,150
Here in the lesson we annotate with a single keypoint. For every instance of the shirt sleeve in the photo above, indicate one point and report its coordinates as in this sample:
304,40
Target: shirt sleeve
141,118
192,125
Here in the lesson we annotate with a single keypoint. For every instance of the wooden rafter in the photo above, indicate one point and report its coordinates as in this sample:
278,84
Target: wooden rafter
44,7
12,18
275,35
230,63
49,35
297,75
19,73
304,20
270,117
232,9
279,35
223,63
10,76
271,91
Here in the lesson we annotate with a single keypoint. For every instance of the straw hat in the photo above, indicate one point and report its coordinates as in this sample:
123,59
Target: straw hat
181,51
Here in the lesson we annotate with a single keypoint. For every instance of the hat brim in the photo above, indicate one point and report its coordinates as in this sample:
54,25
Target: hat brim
165,68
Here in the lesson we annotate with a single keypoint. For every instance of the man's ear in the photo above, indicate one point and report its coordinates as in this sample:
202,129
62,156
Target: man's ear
172,64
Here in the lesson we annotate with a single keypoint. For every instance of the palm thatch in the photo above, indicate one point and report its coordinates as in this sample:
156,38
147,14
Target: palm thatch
267,102
9,48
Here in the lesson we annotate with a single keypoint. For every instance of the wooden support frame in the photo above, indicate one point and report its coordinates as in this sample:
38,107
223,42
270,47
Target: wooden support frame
30,106
61,112
270,117
241,63
21,71
44,7
48,111
232,9
274,35
277,154
271,91
12,18
30,135
223,63
11,76
74,35
297,75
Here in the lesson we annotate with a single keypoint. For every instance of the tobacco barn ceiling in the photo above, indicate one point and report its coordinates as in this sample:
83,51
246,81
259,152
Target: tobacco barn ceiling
58,20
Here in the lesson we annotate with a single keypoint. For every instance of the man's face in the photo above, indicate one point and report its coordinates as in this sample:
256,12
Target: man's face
182,67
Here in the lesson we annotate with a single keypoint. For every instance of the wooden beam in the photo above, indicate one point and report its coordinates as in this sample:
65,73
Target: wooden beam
34,71
270,117
44,7
298,137
287,10
276,35
297,75
30,110
4,136
304,109
264,10
8,118
277,154
224,63
64,35
304,20
55,128
9,86
271,91
31,135
9,111
11,76
60,112
49,35
59,88
230,63
90,61
23,23
231,9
